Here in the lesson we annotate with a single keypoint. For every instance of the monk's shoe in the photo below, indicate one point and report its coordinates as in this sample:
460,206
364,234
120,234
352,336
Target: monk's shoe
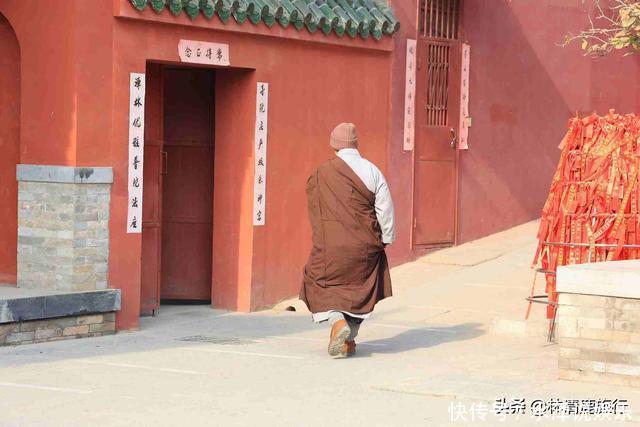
340,331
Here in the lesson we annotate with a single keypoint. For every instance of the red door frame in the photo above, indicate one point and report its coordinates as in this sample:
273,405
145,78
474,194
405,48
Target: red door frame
419,37
152,201
151,281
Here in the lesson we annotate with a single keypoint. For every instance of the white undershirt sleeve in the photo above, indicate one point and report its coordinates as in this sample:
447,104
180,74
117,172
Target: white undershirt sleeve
384,210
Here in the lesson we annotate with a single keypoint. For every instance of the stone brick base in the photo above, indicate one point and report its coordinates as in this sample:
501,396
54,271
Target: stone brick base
598,322
60,328
63,227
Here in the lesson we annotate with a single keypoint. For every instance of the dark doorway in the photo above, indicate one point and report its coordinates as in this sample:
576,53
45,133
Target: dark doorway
187,193
178,191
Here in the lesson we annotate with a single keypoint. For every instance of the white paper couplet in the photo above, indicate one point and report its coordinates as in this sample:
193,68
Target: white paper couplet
409,97
136,152
465,120
198,52
260,154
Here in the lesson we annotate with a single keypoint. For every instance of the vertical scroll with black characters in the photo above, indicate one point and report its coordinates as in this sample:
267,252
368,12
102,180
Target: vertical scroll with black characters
260,154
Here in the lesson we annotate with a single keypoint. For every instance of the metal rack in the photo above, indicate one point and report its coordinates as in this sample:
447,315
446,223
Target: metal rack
544,299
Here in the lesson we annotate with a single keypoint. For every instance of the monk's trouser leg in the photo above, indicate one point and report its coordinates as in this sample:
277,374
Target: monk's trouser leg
334,316
353,322
354,325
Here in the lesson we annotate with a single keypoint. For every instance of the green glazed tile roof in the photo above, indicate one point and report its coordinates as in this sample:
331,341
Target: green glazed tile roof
353,17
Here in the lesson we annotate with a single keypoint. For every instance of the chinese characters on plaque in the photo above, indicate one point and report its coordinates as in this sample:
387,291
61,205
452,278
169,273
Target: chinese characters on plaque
203,52
260,155
465,120
409,96
136,152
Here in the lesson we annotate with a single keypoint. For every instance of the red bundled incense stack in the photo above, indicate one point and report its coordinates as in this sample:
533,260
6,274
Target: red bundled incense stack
592,212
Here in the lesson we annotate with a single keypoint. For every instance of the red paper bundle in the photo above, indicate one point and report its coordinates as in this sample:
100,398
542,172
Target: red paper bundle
592,212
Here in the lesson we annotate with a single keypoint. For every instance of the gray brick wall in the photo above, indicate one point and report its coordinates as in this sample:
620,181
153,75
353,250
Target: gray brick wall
60,328
599,339
63,235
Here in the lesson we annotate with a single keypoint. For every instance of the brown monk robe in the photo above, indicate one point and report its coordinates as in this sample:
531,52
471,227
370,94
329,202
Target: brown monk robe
347,270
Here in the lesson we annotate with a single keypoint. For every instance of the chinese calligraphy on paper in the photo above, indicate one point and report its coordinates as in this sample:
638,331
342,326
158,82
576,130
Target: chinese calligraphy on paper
136,152
203,52
465,120
260,154
409,96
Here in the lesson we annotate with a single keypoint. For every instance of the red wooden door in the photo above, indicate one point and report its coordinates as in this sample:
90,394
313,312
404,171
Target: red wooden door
437,121
187,202
152,193
150,282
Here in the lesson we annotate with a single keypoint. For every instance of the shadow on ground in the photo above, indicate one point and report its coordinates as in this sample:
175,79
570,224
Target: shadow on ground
193,326
420,338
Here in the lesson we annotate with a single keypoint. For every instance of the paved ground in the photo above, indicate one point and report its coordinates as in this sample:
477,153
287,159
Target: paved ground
430,347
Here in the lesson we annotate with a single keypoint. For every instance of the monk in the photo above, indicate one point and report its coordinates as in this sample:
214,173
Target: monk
351,216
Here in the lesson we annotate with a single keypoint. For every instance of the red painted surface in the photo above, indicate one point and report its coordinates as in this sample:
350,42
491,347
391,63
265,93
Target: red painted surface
252,266
524,87
233,232
48,122
401,163
79,116
9,147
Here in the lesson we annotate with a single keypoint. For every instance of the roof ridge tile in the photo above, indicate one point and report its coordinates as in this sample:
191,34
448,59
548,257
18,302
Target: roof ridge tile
364,17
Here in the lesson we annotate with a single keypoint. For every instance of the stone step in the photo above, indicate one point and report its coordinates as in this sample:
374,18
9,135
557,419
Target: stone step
19,304
34,315
521,327
537,325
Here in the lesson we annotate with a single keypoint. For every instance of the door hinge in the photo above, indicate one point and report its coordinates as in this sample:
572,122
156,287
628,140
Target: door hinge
415,222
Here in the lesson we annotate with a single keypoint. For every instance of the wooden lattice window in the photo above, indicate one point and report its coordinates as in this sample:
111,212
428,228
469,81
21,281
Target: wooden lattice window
439,18
438,85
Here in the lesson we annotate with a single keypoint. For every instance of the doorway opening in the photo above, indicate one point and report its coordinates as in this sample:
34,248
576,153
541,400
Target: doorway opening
177,235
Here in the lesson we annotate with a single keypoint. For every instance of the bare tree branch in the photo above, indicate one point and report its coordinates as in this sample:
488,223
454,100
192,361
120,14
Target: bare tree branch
620,32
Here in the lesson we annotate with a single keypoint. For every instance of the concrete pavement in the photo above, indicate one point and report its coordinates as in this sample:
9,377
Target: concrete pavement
431,351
